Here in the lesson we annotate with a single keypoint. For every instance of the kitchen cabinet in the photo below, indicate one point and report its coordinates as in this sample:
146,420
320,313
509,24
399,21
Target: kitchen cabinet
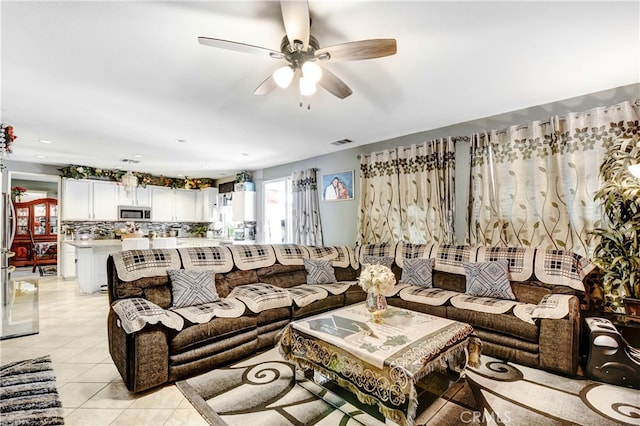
68,261
206,205
138,197
89,200
40,219
243,206
173,205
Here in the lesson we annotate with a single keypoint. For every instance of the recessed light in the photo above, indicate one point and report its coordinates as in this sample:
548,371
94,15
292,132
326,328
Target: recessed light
137,156
44,141
182,141
40,156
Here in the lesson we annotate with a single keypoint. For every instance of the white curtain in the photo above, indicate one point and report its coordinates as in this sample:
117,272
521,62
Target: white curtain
533,186
407,194
307,228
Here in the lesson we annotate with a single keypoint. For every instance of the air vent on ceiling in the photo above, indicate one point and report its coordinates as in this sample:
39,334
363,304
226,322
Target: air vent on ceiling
341,142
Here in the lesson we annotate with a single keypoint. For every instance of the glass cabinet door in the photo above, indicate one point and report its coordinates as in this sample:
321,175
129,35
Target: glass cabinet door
22,222
40,219
53,219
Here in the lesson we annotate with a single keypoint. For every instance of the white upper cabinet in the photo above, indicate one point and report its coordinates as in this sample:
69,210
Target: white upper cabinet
173,205
138,197
89,200
243,206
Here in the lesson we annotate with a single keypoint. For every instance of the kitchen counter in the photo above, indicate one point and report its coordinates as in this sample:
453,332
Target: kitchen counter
182,242
92,257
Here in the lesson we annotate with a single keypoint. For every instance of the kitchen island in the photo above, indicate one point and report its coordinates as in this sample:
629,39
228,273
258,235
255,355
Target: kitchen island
91,258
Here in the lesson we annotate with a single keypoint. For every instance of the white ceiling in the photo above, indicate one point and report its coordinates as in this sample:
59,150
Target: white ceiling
108,80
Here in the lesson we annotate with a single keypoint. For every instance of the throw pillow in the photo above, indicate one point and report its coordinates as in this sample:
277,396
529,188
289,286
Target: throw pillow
488,279
378,260
319,271
190,287
418,272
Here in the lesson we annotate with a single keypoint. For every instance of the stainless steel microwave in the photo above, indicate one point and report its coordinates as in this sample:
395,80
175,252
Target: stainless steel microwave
134,213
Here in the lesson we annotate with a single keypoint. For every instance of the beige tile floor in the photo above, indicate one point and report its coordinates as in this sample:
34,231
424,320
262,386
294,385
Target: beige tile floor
73,330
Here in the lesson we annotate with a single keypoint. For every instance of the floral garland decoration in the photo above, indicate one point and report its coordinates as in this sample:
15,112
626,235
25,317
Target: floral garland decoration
6,139
144,179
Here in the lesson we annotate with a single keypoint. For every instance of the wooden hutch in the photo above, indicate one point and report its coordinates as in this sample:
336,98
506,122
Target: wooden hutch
40,218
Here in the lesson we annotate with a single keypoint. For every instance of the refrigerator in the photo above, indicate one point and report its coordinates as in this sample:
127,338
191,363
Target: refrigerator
20,312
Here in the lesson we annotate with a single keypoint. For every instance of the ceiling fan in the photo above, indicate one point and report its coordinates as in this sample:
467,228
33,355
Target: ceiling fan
302,52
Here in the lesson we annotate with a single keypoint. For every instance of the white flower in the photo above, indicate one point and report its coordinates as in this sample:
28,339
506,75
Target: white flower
80,169
377,279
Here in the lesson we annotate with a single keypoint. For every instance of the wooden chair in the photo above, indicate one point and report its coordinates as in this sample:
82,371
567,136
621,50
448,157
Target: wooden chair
48,256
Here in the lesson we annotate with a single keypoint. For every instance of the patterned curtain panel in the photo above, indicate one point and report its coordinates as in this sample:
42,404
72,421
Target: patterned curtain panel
533,186
307,228
379,214
407,194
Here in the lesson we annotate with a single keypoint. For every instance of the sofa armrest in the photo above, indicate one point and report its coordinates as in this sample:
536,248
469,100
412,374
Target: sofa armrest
142,358
559,341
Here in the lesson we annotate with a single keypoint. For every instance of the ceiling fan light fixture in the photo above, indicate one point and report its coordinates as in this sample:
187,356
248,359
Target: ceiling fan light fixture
307,86
283,76
312,71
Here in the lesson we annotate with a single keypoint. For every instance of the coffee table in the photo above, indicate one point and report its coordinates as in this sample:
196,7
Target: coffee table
381,363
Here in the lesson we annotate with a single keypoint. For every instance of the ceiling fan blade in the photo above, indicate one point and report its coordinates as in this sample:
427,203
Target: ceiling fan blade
334,85
239,47
266,86
358,50
295,15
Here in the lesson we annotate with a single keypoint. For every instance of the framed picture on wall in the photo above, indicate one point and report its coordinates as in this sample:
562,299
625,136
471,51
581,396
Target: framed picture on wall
337,186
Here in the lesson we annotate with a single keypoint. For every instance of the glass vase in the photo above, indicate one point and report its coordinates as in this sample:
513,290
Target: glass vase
376,304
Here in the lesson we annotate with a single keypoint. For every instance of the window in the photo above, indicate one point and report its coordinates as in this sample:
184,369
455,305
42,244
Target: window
277,211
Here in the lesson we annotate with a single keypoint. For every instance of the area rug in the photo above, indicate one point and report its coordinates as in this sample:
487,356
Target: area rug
48,271
262,390
28,394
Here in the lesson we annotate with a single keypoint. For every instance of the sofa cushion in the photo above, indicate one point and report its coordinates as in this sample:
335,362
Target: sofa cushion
135,313
319,271
284,276
520,260
505,323
418,272
378,260
260,297
134,264
489,279
215,330
411,251
217,259
189,287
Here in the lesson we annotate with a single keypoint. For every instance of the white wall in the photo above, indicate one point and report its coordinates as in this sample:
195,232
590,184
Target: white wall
339,219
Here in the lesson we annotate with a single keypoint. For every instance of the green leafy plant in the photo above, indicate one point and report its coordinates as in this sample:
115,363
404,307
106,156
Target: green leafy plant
199,229
618,251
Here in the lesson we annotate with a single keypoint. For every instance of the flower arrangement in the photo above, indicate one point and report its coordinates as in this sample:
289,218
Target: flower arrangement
17,192
377,279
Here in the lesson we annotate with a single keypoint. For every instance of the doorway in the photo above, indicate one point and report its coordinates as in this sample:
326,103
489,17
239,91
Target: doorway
277,211
40,186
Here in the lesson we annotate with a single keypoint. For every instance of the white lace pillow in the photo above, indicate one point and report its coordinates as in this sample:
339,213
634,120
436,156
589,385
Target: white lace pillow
319,271
488,279
191,287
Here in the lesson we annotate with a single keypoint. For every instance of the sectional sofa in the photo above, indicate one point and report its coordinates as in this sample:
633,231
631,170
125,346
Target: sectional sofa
158,332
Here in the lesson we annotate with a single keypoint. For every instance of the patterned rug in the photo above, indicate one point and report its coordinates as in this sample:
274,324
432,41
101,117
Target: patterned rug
262,391
28,394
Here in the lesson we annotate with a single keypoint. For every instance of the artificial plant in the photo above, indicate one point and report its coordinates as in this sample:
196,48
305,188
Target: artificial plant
618,250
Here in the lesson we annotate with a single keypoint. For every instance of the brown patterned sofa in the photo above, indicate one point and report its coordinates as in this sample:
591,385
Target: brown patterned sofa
539,328
263,287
